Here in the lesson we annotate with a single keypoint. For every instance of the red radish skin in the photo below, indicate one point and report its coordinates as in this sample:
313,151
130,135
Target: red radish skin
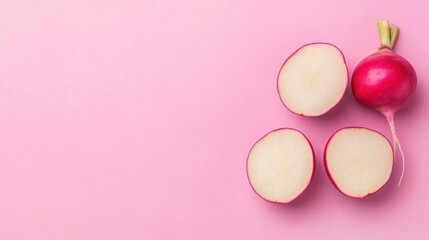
385,81
309,181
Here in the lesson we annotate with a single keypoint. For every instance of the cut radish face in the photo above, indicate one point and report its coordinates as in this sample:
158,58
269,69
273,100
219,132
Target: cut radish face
313,79
358,161
280,165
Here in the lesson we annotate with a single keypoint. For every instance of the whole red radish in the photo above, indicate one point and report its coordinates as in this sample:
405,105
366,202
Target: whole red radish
385,81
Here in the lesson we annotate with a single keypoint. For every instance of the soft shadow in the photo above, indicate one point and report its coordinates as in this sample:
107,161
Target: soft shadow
341,108
415,103
386,193
337,112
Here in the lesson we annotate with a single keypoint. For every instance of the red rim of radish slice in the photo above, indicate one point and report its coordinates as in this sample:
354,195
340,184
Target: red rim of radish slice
291,55
312,172
325,163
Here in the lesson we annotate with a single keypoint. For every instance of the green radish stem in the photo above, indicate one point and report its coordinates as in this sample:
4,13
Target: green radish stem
388,34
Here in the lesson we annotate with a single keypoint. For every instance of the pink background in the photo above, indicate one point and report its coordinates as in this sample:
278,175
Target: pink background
132,119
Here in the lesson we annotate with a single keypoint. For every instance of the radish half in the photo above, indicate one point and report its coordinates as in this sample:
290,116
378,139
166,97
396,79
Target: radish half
280,165
385,81
313,79
359,161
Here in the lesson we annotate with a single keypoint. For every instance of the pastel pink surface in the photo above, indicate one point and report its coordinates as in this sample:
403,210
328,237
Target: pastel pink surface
133,119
